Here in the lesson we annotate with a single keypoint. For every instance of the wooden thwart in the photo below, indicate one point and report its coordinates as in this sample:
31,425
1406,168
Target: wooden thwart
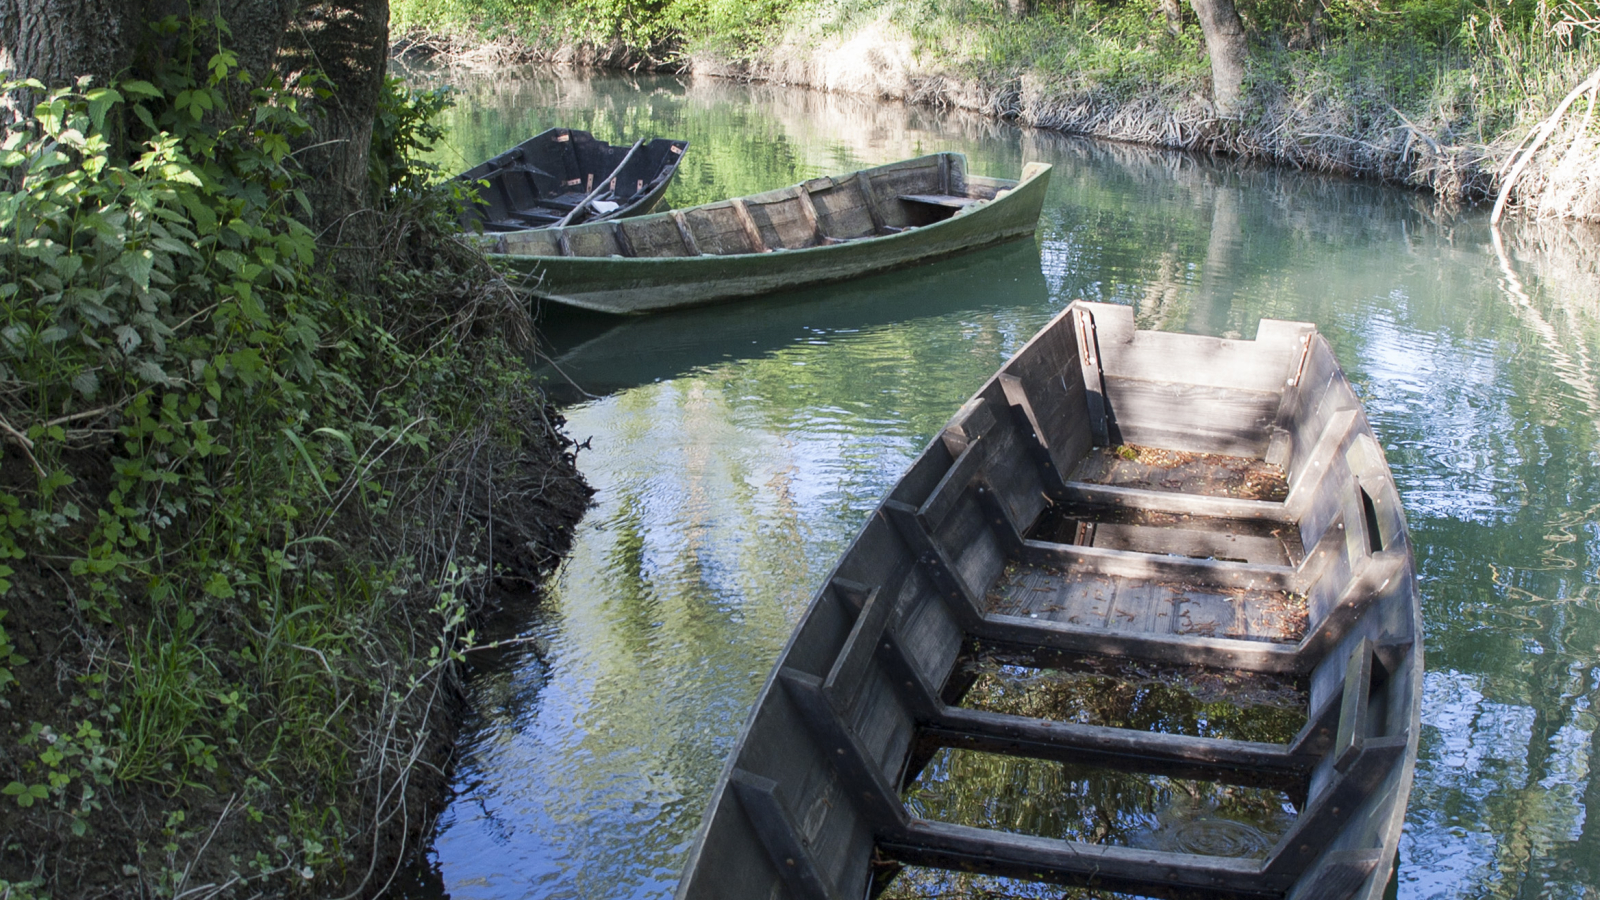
939,200
1111,496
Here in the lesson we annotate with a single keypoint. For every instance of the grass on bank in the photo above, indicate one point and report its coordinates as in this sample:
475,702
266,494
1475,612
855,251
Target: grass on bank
1435,92
245,484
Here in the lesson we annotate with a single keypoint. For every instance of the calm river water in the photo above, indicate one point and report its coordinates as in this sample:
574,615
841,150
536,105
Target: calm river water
736,450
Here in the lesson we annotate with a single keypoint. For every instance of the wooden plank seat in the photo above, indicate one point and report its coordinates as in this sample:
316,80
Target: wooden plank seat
1254,602
940,200
1117,496
1119,603
1204,474
876,636
1259,587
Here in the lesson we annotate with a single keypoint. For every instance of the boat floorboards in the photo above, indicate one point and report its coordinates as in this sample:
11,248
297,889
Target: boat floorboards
1119,603
1206,474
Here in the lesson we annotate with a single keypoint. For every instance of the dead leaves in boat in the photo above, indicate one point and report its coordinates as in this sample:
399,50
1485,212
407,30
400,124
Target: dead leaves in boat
1209,474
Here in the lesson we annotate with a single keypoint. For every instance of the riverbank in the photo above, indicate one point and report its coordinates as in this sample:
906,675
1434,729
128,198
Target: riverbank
258,485
1439,97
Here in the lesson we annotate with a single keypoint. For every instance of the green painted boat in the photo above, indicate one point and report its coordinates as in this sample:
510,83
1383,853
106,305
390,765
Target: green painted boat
826,229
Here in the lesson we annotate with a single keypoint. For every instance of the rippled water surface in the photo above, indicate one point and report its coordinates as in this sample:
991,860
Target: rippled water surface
736,450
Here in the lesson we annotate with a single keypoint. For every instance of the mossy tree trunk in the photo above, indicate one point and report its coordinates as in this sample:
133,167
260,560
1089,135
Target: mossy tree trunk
1225,44
58,41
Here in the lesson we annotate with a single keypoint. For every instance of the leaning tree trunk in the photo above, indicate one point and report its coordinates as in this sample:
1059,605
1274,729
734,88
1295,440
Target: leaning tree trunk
348,41
1225,44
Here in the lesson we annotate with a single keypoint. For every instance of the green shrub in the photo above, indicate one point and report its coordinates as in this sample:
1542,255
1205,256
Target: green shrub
227,452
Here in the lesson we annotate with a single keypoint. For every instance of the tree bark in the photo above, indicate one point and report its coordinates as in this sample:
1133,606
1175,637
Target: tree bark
59,41
1225,44
56,41
348,40
256,29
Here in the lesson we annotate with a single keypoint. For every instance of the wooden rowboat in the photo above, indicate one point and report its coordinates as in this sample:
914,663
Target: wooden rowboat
1116,499
826,229
564,176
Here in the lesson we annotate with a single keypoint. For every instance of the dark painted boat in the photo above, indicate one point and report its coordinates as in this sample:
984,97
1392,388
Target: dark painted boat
826,229
1121,500
564,176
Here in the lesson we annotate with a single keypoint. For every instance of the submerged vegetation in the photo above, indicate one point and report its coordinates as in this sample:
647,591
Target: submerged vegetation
1434,93
256,481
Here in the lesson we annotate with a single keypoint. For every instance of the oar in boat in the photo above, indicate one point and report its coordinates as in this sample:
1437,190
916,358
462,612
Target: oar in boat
601,186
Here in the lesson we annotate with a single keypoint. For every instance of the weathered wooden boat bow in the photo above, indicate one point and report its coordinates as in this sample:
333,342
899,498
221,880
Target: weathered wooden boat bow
1025,528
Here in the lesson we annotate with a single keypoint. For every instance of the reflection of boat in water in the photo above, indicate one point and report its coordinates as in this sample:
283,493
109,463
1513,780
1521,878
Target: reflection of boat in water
563,176
1111,498
604,354
826,229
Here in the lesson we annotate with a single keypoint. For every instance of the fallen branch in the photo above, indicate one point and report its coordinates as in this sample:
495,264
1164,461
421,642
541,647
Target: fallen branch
1544,130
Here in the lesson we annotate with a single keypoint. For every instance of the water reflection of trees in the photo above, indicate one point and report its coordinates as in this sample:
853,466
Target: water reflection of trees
1099,806
707,544
743,139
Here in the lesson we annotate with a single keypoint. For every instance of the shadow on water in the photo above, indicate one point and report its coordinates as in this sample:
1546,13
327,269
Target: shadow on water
600,355
736,450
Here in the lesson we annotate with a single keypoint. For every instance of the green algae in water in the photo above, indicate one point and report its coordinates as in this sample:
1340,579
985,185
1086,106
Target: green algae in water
1197,702
1099,806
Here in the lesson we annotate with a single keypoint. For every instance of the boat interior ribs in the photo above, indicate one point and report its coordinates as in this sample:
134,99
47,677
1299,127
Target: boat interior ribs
1118,502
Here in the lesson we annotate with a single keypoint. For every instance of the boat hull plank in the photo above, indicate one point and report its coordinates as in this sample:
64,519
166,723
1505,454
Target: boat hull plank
948,572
